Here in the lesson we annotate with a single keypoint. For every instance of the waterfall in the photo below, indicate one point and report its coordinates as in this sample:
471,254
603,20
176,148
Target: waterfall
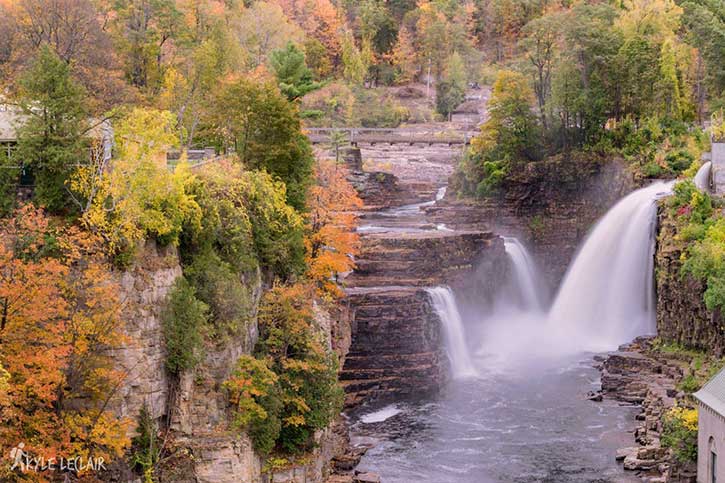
702,178
526,286
607,296
444,303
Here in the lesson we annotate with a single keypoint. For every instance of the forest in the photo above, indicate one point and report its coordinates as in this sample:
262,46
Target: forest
637,80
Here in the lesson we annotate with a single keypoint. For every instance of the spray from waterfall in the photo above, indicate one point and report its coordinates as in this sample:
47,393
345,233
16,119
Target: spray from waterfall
444,303
606,298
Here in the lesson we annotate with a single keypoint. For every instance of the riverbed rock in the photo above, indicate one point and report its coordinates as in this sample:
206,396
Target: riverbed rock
367,477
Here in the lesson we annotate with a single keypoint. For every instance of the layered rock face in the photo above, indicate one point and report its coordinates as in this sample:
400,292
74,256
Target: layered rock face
397,350
202,447
143,289
682,316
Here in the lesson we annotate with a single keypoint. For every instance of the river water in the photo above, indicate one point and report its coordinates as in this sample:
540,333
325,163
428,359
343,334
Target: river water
526,424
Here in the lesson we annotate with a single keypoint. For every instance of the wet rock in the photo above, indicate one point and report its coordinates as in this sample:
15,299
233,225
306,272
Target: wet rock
595,396
368,477
622,453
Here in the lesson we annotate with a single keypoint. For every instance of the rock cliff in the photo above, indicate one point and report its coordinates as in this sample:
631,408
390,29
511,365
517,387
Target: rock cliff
682,317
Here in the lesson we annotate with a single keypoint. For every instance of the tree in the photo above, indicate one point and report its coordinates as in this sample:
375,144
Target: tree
264,28
50,142
510,136
354,66
451,90
59,324
73,30
332,241
404,58
140,197
263,128
293,75
540,43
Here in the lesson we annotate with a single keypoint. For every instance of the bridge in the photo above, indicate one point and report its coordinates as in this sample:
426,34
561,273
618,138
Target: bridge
359,135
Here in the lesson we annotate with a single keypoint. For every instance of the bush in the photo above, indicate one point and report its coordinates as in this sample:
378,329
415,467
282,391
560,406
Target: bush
679,432
377,108
290,390
221,289
254,394
146,447
246,221
183,323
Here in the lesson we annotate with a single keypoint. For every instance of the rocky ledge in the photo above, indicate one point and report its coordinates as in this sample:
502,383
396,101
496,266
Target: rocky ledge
423,258
637,375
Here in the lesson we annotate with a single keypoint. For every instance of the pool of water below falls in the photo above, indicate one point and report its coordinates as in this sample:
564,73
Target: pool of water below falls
525,424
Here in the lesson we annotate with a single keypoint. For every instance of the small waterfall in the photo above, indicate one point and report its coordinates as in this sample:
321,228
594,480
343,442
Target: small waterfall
444,302
607,296
526,286
702,178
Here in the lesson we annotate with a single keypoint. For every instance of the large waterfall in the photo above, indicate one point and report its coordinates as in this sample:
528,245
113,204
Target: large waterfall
607,296
444,302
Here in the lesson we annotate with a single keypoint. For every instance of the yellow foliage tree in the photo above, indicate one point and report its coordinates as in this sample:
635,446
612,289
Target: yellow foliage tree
138,195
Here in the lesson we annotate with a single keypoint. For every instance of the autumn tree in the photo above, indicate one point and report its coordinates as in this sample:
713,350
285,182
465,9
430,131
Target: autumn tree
332,241
59,323
73,30
404,57
140,197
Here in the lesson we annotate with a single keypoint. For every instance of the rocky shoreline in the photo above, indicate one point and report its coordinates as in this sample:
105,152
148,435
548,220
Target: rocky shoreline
637,374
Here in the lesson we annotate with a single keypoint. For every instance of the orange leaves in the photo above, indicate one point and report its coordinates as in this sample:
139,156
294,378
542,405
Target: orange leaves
59,318
332,242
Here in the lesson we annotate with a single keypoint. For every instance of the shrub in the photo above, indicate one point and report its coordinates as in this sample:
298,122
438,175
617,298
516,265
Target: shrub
679,432
146,447
183,323
221,289
254,395
246,221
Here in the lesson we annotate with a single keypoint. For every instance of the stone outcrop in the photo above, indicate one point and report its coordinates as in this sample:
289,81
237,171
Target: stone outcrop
144,287
682,316
637,375
398,350
421,258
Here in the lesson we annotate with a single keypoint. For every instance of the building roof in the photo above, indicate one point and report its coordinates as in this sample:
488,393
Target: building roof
712,394
10,117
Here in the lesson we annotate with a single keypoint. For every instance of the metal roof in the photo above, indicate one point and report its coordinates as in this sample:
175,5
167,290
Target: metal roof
712,394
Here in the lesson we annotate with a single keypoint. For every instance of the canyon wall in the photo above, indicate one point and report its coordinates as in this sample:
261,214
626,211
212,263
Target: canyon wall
200,446
682,316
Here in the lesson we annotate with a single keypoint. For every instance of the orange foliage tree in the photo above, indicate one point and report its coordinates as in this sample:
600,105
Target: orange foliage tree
59,322
332,241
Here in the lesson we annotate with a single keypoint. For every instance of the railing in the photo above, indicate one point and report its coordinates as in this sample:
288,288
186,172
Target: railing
356,135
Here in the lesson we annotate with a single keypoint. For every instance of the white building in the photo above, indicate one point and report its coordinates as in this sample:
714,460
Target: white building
711,431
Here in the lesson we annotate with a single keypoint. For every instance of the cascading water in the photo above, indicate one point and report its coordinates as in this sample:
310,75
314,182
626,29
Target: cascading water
526,287
607,296
702,178
444,303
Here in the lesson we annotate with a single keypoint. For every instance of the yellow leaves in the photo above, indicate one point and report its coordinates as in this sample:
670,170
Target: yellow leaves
138,196
685,416
657,18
